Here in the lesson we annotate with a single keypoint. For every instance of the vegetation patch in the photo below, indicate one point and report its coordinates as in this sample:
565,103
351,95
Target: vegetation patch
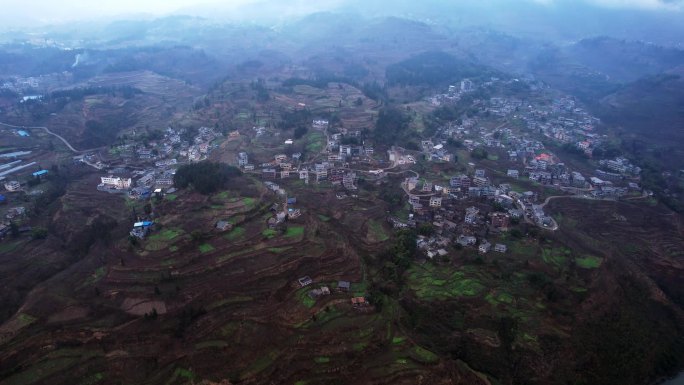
236,233
294,232
206,248
322,360
423,355
556,256
269,233
430,283
376,231
589,262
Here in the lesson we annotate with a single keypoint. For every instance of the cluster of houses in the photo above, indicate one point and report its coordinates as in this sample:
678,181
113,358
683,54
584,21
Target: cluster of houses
343,287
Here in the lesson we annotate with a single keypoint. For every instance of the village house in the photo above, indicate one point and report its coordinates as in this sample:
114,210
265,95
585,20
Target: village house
12,185
484,247
466,240
435,202
223,225
500,248
116,183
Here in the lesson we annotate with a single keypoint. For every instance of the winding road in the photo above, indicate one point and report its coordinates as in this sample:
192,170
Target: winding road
47,130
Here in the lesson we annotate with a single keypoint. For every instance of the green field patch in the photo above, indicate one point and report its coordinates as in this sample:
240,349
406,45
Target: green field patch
94,379
173,249
359,289
228,301
303,297
216,344
423,355
398,340
496,298
442,283
238,253
261,363
556,257
376,231
26,319
323,218
321,360
236,233
493,157
217,207
10,246
224,195
169,262
171,197
95,277
269,233
294,231
249,203
315,141
168,235
589,262
41,370
206,248
359,346
279,250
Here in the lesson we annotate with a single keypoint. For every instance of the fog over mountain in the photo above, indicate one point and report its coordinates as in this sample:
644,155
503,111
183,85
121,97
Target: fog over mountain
660,21
358,192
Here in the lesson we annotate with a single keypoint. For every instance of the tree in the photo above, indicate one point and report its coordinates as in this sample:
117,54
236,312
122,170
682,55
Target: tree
39,233
479,153
205,177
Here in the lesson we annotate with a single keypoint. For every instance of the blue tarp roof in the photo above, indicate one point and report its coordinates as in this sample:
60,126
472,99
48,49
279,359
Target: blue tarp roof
41,172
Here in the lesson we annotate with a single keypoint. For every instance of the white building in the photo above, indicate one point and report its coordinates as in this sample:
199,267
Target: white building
12,185
116,182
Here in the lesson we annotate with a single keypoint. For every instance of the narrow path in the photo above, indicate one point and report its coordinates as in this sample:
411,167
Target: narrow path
50,133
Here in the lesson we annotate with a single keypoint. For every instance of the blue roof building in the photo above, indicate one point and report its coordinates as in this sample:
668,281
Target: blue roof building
40,173
23,133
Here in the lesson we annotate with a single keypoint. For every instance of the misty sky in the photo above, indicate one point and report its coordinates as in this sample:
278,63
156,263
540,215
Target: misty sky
27,12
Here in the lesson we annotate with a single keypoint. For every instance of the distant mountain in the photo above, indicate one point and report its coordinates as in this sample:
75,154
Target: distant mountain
624,61
651,109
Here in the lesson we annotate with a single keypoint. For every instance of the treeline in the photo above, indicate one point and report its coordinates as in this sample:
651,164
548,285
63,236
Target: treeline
392,124
432,69
80,93
372,90
206,177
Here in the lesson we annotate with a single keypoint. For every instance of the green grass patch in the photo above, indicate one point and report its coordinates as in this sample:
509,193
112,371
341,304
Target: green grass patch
556,257
94,379
496,298
423,355
493,157
322,360
315,141
249,203
228,301
261,364
10,246
236,233
168,235
171,197
431,283
589,262
376,230
26,319
269,233
398,340
359,346
206,248
294,231
323,217
303,297
278,250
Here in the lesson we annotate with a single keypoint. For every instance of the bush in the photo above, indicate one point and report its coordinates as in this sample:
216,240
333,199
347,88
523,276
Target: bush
205,177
